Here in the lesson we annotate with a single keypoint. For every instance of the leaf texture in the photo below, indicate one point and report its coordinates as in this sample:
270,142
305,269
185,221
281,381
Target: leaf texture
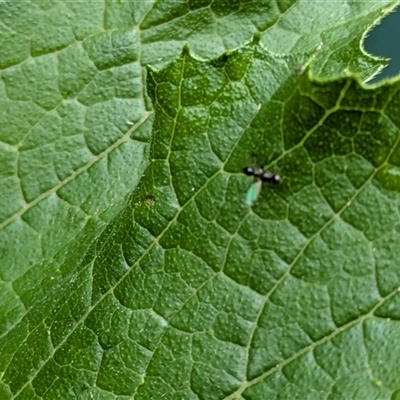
130,265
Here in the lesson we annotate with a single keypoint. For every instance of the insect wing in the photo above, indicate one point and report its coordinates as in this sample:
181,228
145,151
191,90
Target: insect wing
253,192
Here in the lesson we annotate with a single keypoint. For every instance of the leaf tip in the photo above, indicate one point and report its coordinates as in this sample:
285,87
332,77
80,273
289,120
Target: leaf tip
185,50
256,38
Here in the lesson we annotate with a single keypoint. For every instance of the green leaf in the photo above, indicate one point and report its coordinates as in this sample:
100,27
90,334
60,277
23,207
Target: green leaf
137,271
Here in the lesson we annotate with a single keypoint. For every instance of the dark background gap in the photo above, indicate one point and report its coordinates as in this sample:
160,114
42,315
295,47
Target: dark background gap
383,41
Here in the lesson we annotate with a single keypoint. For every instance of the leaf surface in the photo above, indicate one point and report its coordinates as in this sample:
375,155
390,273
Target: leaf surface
120,285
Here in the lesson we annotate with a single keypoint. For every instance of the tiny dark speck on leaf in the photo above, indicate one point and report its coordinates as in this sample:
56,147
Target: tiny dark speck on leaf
148,201
298,69
220,61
